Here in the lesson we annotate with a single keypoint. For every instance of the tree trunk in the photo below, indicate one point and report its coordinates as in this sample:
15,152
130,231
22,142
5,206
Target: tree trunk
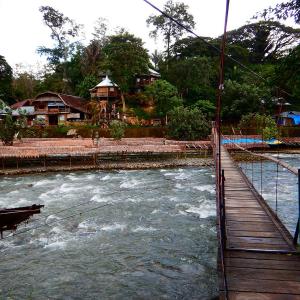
123,103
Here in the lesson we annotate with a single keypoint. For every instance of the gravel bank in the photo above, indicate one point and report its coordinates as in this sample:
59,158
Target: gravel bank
111,165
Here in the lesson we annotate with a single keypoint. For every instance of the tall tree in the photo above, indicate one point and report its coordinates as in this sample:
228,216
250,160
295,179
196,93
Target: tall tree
125,57
6,77
25,86
156,58
287,76
169,29
91,59
164,95
100,31
65,34
282,11
243,98
265,40
194,77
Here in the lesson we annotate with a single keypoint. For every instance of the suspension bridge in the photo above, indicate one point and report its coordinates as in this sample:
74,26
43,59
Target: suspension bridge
257,255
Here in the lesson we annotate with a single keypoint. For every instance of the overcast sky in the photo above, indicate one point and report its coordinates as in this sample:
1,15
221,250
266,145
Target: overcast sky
22,29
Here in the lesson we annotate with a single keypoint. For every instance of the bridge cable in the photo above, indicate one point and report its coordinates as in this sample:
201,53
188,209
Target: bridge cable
276,189
218,119
212,46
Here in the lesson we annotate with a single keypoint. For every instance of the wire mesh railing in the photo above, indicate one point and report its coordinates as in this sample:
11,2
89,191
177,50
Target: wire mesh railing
274,179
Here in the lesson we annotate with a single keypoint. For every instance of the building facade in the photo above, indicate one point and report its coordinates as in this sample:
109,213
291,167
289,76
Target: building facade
54,108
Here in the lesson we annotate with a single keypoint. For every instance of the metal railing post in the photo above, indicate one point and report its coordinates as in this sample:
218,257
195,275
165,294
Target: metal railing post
298,223
222,210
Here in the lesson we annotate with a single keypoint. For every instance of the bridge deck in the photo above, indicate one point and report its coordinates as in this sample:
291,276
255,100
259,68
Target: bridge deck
254,233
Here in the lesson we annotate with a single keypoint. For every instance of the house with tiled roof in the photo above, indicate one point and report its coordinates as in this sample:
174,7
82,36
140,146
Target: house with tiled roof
55,108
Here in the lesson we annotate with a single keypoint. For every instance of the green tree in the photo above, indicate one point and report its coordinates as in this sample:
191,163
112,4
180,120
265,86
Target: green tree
194,47
169,29
282,11
100,31
188,124
8,129
287,76
52,81
85,85
265,40
125,57
243,98
164,95
117,129
194,77
156,58
207,108
264,124
65,34
25,86
6,78
74,74
91,59
8,126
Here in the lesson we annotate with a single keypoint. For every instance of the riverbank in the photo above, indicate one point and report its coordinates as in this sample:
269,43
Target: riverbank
55,155
114,165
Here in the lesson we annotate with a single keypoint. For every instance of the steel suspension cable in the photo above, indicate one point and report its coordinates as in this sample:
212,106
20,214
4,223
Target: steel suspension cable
212,46
276,190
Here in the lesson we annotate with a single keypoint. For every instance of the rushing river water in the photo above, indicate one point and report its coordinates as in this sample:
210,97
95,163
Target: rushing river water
279,187
146,234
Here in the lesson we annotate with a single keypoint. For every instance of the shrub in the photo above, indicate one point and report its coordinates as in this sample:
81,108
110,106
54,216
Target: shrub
264,124
188,124
117,129
8,129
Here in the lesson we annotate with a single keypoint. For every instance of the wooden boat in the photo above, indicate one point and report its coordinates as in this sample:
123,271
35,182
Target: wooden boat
10,218
274,143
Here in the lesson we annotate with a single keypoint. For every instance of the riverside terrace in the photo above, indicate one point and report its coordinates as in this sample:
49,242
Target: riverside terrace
40,155
57,154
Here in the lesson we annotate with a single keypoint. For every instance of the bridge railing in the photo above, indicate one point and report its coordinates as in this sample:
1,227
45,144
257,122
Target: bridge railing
257,174
220,205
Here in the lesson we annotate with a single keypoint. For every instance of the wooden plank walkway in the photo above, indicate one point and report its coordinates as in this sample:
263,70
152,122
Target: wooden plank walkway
260,259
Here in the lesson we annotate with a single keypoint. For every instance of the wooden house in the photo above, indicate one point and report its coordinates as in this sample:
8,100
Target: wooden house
54,108
107,93
142,80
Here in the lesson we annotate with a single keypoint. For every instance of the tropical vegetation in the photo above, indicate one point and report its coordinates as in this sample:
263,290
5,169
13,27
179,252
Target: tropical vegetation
262,67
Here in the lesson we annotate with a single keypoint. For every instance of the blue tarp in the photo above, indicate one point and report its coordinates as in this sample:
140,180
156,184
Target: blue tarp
242,141
296,118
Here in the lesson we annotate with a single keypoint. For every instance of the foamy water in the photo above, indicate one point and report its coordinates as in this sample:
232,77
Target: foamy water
146,234
283,196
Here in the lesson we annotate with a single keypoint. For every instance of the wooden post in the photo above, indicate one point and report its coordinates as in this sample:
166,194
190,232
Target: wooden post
298,223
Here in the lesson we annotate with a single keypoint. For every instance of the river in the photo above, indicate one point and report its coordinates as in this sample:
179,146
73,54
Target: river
279,187
144,234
